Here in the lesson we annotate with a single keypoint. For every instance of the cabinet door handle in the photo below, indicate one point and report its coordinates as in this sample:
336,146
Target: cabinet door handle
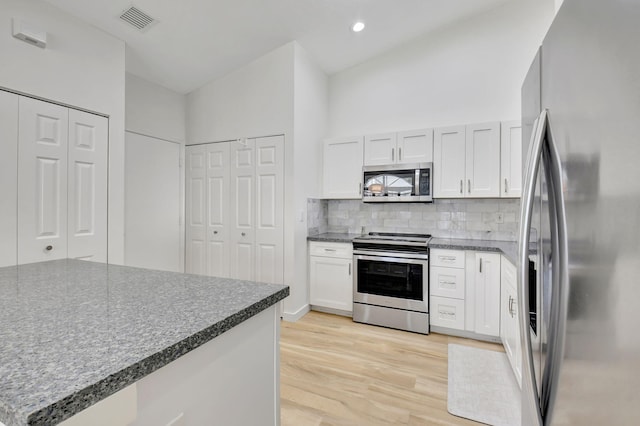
393,154
49,248
461,186
243,234
349,269
400,154
506,186
469,186
360,188
215,232
480,265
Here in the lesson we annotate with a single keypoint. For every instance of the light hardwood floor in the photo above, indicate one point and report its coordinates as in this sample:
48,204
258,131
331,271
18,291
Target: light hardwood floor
337,372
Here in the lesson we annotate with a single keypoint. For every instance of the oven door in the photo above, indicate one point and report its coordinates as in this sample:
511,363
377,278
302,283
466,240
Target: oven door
384,279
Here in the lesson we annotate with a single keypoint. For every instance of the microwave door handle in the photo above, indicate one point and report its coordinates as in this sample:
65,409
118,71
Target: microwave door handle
416,183
560,275
526,210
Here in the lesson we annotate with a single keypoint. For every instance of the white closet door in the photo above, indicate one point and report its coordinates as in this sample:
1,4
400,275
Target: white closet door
269,235
87,186
152,203
218,209
196,200
8,178
42,181
242,209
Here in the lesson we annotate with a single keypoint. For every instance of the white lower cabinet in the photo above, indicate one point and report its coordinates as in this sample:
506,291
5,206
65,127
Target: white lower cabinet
509,329
447,289
447,312
487,294
331,276
464,293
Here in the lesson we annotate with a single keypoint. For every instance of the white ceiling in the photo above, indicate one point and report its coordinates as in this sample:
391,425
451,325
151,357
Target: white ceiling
196,41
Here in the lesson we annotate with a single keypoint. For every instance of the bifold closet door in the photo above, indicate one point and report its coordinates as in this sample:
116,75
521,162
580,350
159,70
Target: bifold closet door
269,221
196,226
242,204
62,183
42,181
87,186
207,199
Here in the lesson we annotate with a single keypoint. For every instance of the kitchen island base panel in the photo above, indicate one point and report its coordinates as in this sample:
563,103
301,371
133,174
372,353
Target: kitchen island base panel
233,379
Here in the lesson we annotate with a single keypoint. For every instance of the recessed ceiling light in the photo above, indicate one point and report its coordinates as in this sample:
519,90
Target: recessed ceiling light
357,27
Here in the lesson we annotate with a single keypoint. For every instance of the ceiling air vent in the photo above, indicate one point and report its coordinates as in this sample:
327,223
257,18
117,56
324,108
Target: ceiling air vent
137,18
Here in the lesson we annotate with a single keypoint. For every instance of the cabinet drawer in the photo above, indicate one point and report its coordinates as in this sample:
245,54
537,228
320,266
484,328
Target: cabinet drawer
447,282
447,258
447,312
341,250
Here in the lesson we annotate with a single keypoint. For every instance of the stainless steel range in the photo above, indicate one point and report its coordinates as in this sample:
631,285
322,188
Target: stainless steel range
391,280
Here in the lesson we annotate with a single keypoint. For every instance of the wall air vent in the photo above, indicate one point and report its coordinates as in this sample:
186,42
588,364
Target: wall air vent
137,18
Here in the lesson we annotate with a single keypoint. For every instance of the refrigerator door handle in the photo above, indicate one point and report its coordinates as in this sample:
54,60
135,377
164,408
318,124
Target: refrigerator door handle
560,276
526,210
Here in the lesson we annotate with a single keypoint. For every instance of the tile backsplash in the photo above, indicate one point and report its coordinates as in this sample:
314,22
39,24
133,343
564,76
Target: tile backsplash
488,219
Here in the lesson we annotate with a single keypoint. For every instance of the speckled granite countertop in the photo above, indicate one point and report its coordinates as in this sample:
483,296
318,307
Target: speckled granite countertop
75,332
508,248
333,237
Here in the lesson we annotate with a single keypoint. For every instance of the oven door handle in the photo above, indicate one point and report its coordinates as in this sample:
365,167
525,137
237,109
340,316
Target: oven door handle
392,258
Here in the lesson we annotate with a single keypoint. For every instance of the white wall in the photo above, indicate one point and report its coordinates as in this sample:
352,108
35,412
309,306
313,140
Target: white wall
82,67
155,120
310,125
255,100
153,110
469,72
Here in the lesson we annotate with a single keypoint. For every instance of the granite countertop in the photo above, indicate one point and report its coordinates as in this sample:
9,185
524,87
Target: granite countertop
333,237
74,332
508,248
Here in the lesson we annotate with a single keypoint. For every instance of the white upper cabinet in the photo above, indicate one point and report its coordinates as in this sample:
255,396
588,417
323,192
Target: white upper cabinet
8,178
467,161
380,149
414,146
342,167
449,162
511,159
483,160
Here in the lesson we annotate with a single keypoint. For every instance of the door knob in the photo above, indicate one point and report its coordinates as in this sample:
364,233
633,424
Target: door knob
49,248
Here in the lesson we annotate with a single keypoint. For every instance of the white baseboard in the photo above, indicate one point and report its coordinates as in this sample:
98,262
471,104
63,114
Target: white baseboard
295,316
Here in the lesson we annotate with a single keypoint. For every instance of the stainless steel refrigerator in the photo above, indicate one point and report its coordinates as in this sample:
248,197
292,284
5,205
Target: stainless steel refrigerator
579,255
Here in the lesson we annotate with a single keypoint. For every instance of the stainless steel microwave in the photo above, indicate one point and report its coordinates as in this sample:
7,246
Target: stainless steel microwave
409,183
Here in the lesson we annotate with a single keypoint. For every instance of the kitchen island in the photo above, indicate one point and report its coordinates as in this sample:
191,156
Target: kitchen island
144,346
